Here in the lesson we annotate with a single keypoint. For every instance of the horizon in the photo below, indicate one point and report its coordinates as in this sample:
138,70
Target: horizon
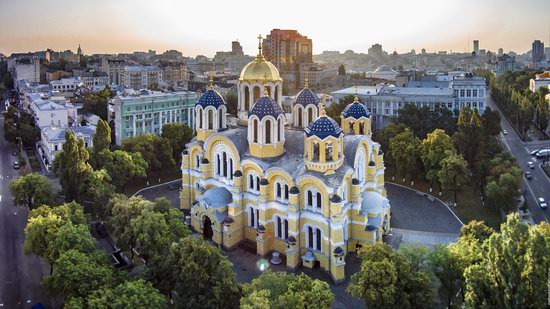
496,24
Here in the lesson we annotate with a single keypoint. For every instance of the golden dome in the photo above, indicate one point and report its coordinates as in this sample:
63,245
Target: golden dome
260,69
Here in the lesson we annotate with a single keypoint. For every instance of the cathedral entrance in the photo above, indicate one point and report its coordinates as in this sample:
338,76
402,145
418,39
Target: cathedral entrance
207,228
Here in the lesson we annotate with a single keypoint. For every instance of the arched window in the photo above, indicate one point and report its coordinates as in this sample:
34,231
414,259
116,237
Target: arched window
278,190
315,151
200,118
319,199
286,192
279,130
267,128
279,230
255,129
276,94
230,168
319,238
257,94
224,156
310,237
210,116
309,198
328,151
220,118
218,165
197,161
345,192
299,111
250,181
258,183
309,115
253,217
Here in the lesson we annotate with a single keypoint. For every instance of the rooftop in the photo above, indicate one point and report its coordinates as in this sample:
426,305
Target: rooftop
55,133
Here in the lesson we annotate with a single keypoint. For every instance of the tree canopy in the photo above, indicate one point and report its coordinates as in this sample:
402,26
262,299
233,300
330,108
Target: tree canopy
32,190
155,150
178,135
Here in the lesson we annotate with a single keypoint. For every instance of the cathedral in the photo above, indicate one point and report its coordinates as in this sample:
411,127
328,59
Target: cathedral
297,184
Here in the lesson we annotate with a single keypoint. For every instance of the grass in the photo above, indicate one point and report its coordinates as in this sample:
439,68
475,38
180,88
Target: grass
546,169
470,206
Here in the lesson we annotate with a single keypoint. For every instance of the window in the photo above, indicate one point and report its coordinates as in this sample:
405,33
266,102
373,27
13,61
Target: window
462,92
474,93
314,238
197,162
468,93
258,183
281,191
251,182
309,198
281,227
318,205
253,217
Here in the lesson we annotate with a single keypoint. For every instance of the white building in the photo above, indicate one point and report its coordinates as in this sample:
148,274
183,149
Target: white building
53,113
383,72
540,80
114,69
53,138
69,84
25,69
141,77
385,101
92,79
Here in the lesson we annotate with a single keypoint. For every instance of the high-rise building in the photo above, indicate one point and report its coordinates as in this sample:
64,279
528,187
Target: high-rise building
290,52
476,46
500,52
537,51
236,48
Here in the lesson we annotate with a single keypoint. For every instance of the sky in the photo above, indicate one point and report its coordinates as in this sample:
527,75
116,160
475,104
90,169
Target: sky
204,27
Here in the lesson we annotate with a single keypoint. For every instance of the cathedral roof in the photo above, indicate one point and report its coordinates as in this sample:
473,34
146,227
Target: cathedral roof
260,69
211,98
356,110
323,127
266,106
306,97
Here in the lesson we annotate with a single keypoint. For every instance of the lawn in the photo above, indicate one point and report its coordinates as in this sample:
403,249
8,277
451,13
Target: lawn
470,206
546,169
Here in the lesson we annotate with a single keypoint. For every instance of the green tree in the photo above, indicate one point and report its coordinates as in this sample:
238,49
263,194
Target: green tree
386,280
491,122
513,272
454,172
433,150
425,120
69,236
445,267
502,193
341,70
97,103
178,135
123,211
101,141
97,189
72,166
404,151
32,190
335,109
476,229
122,166
156,151
137,294
203,276
284,290
79,274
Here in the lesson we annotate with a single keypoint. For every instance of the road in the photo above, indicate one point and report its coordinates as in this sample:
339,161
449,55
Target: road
20,275
537,187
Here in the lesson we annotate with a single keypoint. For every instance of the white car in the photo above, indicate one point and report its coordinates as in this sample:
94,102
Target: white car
531,165
504,132
542,203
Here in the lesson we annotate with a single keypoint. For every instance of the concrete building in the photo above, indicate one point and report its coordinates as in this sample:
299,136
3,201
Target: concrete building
69,84
476,46
92,79
115,70
142,77
537,52
540,80
27,69
148,111
175,74
385,101
505,63
311,193
383,72
53,138
52,112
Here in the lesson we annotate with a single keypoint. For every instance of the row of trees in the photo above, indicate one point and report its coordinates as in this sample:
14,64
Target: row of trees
20,125
470,155
522,106
484,269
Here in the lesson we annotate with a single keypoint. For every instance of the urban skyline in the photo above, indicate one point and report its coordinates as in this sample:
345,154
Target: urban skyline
172,25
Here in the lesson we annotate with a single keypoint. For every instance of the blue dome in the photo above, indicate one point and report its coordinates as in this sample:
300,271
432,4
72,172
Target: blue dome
211,98
323,127
265,106
306,97
356,110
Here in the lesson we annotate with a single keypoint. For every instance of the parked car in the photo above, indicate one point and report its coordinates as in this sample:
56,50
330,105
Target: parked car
528,175
16,165
504,132
542,203
534,152
531,165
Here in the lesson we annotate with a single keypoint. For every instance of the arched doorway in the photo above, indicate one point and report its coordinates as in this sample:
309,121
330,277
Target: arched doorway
207,228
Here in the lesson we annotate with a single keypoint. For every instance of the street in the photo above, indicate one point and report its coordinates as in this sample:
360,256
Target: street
20,275
537,187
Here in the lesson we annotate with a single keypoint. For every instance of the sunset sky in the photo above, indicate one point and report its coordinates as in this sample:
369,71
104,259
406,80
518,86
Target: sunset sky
203,27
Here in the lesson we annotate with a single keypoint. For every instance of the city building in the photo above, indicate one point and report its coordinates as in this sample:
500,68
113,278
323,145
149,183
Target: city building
383,72
27,69
540,80
291,53
53,138
505,63
142,77
385,101
55,74
174,73
232,61
313,192
476,46
115,70
53,112
68,84
147,111
537,52
93,80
